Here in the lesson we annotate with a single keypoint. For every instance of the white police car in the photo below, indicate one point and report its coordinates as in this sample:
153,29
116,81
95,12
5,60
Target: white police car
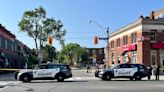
45,72
131,71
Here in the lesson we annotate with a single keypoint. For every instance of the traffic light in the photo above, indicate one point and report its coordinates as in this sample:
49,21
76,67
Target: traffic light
50,40
96,40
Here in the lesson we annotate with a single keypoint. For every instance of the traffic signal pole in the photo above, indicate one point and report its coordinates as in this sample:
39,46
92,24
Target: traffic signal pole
105,39
107,61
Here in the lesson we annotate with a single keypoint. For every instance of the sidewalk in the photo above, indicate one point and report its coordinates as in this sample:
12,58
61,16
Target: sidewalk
7,77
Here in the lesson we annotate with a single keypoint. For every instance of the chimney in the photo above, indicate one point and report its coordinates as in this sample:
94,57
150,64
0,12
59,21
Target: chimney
152,15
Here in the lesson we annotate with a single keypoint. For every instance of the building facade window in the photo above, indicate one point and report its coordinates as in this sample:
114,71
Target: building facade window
118,58
5,44
134,57
93,51
112,58
112,44
100,51
153,35
134,37
163,35
126,58
12,47
118,42
153,58
125,40
0,41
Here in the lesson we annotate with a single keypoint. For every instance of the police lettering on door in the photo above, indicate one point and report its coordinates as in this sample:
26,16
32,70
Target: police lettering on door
124,72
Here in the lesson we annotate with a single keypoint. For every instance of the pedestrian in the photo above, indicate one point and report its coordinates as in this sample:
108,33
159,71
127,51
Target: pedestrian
149,68
88,69
157,72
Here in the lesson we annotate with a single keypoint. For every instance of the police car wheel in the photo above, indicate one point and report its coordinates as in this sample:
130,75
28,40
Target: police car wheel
107,77
60,78
137,77
26,78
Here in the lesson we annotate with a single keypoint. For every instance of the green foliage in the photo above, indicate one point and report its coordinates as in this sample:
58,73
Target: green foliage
50,52
73,53
36,24
32,59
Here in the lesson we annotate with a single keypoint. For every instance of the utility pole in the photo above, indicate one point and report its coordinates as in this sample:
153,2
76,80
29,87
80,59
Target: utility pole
107,61
105,39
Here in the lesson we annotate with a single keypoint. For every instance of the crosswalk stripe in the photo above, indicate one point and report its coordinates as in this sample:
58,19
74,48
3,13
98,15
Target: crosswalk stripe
82,78
6,84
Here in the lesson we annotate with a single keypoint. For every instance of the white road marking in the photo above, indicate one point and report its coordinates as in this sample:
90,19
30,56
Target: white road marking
83,78
6,84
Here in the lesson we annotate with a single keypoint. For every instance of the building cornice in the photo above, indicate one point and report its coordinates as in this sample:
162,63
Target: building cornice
128,27
141,21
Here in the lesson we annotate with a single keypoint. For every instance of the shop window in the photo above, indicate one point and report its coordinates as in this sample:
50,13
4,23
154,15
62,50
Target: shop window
153,57
134,38
118,42
125,40
112,58
153,35
134,57
126,58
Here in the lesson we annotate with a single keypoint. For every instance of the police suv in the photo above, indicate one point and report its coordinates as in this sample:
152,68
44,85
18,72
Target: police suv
45,72
131,71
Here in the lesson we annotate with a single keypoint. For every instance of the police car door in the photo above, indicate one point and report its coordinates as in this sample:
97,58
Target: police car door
53,70
122,70
40,72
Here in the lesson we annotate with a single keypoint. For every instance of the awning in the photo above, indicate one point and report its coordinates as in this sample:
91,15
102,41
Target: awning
158,45
130,47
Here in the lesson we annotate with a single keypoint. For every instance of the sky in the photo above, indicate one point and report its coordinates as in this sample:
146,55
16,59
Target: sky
76,16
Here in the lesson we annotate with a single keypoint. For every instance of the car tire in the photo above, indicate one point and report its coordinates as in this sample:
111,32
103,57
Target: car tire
26,78
137,77
107,77
60,78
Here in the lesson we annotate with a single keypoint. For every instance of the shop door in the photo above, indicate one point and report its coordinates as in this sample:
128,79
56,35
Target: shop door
162,62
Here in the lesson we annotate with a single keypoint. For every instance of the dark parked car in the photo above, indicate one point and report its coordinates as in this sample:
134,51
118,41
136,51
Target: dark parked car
131,71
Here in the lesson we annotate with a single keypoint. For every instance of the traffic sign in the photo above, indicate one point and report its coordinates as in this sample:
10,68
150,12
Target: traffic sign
101,38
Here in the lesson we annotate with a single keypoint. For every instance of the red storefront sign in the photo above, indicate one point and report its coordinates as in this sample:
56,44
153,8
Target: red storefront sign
158,45
129,47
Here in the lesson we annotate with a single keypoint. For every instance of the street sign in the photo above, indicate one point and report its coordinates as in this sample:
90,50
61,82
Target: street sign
101,38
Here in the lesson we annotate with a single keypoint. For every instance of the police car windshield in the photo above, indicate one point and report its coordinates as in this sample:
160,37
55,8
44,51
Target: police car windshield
113,66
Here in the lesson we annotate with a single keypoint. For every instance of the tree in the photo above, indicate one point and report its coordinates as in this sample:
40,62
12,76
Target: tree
50,52
32,59
39,27
73,52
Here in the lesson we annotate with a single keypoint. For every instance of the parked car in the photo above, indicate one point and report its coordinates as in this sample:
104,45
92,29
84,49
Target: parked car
131,71
45,72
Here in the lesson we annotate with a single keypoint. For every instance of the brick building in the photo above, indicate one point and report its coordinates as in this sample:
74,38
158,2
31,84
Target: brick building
139,42
12,51
96,55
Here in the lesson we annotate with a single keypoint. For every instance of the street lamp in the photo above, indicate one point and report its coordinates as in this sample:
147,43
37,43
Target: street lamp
106,39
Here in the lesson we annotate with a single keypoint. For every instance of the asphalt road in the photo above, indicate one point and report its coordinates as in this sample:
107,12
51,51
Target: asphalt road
86,82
